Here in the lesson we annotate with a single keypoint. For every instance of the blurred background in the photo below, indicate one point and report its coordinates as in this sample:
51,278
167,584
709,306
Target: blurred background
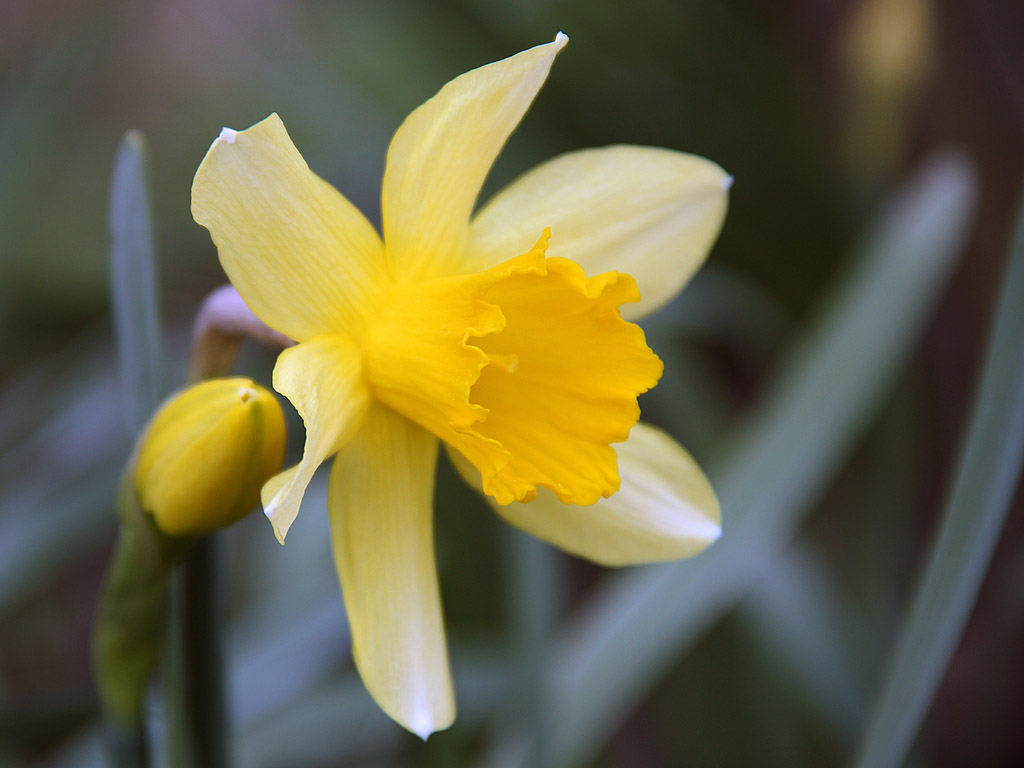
824,112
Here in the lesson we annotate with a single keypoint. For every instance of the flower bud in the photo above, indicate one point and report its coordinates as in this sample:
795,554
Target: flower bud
206,454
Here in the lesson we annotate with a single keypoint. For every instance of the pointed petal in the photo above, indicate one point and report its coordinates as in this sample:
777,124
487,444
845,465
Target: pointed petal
301,256
380,500
441,154
665,509
652,213
323,378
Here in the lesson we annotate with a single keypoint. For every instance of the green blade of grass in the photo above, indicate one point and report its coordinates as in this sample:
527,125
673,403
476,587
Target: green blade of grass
533,602
133,298
133,282
989,469
639,621
796,615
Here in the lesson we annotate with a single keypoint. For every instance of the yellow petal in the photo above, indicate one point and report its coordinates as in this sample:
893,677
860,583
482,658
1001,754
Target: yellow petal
380,500
665,509
441,154
323,378
653,213
301,256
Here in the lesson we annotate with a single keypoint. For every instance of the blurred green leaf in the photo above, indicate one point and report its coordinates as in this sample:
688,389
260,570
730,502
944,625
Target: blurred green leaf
796,615
133,282
987,477
534,601
641,620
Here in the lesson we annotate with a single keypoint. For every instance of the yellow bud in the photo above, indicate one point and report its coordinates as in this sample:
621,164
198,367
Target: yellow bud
206,454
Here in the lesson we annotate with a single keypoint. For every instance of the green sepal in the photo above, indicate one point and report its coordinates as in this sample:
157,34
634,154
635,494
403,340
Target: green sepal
131,614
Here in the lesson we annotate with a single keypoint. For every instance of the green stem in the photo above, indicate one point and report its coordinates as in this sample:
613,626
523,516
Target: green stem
194,671
193,667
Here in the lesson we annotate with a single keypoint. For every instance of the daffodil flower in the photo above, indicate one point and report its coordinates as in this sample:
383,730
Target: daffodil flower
471,330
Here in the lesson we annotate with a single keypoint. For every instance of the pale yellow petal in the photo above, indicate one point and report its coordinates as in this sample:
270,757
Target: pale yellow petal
301,256
652,213
380,500
665,509
441,154
323,378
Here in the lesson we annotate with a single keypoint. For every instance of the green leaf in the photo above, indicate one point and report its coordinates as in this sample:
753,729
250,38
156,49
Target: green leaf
989,469
796,615
133,282
129,624
640,621
533,606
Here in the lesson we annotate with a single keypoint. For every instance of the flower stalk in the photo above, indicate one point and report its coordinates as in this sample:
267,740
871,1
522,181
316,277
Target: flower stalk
194,696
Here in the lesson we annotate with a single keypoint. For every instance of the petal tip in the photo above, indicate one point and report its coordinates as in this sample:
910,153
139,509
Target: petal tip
702,529
270,509
423,723
228,135
727,181
561,39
